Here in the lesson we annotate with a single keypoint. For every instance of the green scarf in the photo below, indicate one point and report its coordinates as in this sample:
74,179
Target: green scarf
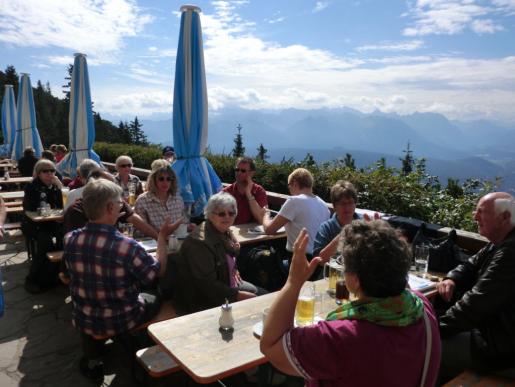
398,311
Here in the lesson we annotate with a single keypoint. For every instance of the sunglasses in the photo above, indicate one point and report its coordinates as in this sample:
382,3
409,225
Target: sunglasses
125,165
48,170
241,170
223,214
162,178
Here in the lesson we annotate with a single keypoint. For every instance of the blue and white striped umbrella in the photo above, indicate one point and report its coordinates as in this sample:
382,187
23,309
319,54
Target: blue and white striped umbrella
8,120
26,130
197,178
81,126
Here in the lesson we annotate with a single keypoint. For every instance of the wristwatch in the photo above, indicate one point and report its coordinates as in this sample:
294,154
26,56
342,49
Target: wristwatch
251,197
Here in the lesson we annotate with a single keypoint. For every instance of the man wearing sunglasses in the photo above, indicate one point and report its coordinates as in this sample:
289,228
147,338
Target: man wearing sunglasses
250,197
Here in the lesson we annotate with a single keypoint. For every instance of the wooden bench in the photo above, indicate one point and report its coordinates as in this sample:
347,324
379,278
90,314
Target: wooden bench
156,362
472,379
14,210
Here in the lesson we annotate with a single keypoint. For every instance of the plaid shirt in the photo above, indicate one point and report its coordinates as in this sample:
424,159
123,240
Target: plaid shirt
154,212
106,270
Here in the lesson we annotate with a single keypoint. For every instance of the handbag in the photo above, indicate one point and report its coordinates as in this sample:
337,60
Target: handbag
444,253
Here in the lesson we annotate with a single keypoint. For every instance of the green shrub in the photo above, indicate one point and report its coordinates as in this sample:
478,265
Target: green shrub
142,156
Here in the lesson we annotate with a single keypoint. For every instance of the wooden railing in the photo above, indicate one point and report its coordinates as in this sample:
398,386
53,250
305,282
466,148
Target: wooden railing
467,240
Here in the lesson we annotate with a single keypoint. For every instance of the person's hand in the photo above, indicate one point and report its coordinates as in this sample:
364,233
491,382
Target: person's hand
238,278
368,218
300,268
191,227
248,187
167,228
446,289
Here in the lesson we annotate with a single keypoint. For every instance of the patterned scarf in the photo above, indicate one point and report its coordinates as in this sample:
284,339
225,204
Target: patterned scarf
398,311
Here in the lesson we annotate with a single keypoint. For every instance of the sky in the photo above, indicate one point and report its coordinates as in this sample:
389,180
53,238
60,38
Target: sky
451,57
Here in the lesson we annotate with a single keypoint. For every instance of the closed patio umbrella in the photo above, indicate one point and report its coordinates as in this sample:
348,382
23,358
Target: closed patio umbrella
81,126
26,130
197,178
8,120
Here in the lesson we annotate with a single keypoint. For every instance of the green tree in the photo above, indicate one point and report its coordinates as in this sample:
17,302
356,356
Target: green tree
349,161
407,161
262,153
137,135
67,86
239,149
11,78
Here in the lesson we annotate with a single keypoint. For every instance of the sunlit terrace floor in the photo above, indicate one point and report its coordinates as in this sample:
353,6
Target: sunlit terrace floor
39,346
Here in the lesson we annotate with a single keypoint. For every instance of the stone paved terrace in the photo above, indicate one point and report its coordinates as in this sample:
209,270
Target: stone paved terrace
39,346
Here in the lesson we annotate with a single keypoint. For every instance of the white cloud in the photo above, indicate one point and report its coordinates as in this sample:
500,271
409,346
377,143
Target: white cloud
96,27
152,49
276,20
320,5
126,103
398,46
449,17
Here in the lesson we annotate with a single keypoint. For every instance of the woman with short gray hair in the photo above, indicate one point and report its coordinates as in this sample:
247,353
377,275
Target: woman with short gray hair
207,275
124,178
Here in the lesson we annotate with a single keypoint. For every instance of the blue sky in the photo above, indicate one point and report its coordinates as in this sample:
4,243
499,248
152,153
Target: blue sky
452,57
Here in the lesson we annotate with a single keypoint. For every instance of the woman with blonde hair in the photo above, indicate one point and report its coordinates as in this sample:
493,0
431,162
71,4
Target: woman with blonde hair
162,198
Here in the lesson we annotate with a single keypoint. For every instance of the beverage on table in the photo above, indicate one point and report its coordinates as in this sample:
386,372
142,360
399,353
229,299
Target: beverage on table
305,311
342,293
421,258
333,271
132,194
65,191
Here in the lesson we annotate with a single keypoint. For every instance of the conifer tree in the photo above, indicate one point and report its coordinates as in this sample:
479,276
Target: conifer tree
239,149
407,161
262,153
11,78
349,161
137,135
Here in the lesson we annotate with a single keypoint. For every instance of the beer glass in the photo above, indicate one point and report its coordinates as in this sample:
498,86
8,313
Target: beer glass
421,254
305,310
132,193
333,271
64,192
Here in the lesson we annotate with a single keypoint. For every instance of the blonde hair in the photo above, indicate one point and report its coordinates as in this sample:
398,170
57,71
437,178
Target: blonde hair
41,165
123,159
160,167
302,177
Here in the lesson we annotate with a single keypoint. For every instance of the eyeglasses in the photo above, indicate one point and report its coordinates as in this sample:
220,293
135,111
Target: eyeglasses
223,214
241,170
125,165
162,178
48,171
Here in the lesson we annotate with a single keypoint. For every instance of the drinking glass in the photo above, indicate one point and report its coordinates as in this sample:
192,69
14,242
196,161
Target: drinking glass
65,191
333,271
132,193
421,255
305,310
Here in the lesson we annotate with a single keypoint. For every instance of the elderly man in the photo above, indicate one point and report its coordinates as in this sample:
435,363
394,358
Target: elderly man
479,328
85,167
107,272
250,197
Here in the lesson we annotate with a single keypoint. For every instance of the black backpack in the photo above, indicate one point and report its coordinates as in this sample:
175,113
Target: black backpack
261,267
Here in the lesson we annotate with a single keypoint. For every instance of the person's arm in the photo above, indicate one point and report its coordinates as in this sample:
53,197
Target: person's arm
3,214
330,250
281,314
162,243
142,226
270,226
258,212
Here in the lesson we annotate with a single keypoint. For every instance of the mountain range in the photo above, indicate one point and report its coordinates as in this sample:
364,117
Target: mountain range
456,149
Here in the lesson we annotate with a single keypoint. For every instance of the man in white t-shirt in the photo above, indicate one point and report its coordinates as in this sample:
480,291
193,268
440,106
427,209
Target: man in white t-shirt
302,210
85,167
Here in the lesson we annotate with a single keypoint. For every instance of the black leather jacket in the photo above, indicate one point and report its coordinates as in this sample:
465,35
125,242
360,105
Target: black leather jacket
488,302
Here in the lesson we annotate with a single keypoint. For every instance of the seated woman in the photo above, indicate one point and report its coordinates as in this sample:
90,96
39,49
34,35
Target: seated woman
206,263
27,162
344,198
124,178
45,189
162,198
302,210
380,338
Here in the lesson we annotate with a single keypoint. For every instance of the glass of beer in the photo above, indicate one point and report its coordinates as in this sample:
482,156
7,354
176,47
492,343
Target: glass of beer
65,191
132,194
305,311
333,271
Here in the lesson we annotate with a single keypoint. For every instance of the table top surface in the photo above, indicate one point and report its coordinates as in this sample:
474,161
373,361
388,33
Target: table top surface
16,180
12,195
56,216
244,234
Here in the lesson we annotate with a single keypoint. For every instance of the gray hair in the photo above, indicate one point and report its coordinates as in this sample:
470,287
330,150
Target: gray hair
122,160
97,194
505,204
220,200
86,166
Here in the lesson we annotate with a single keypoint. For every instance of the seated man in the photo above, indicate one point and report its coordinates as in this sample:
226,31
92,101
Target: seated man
107,271
85,167
75,217
250,197
479,328
344,198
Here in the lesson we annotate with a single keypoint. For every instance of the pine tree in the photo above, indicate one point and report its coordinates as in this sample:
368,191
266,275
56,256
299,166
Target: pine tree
138,137
349,161
67,87
407,161
262,153
12,78
239,149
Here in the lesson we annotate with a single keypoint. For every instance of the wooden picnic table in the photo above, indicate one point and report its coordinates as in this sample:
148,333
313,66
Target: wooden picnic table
245,236
55,216
12,195
16,180
196,344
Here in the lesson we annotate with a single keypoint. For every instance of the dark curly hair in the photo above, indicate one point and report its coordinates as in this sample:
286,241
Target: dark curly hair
374,253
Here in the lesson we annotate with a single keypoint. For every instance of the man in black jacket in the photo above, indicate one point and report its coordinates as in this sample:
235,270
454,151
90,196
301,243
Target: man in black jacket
478,330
